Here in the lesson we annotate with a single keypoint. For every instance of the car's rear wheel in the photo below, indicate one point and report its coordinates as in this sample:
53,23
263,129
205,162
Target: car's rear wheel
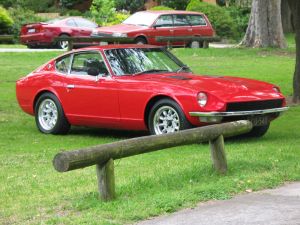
49,115
140,41
63,44
258,131
165,117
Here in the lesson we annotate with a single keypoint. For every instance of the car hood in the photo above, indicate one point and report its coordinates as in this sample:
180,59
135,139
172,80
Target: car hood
121,28
226,88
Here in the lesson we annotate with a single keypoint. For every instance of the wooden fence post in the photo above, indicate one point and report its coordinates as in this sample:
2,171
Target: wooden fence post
106,180
218,155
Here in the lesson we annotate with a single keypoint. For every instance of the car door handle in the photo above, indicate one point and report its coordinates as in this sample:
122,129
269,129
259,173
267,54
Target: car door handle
190,29
172,31
70,86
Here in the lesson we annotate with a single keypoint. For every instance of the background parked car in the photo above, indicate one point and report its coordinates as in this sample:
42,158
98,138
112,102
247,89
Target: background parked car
43,34
145,26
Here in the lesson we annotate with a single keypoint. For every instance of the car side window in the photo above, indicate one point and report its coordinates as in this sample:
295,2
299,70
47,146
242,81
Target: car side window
196,20
164,21
62,65
181,20
85,23
89,64
71,23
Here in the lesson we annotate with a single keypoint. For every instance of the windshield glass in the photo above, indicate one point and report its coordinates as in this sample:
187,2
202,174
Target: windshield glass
141,19
142,60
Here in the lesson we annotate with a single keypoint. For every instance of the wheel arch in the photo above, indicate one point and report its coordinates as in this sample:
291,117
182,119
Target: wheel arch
40,93
141,36
151,103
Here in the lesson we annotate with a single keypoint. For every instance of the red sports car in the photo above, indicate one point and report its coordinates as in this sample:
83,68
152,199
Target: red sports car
43,34
140,87
145,26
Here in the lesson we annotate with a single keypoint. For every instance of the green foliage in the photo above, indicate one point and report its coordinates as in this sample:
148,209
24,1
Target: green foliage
175,4
69,3
240,17
22,16
102,11
130,5
218,16
70,12
6,21
160,7
34,5
117,18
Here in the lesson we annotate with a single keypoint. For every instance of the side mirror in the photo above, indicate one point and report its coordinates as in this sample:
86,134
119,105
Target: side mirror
93,71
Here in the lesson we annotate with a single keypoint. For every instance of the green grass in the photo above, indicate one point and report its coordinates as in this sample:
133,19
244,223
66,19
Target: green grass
32,192
12,46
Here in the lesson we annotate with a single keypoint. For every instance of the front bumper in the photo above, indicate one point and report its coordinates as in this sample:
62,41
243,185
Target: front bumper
215,117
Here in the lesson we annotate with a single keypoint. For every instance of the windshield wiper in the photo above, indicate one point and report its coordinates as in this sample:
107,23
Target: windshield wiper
184,67
151,71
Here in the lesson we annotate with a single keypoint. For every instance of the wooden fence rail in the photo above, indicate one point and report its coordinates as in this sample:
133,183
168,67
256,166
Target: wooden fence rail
104,155
94,40
188,39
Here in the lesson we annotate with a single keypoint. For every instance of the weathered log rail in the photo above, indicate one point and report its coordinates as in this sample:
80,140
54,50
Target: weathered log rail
5,38
188,39
104,155
93,40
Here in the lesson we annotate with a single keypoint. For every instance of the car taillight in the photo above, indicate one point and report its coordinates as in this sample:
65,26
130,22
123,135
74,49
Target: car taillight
202,99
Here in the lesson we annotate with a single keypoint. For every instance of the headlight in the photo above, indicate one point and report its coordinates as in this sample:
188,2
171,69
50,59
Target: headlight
94,32
119,35
276,89
202,99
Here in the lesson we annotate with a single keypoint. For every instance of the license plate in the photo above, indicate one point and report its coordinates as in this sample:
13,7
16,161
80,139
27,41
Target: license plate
259,120
32,30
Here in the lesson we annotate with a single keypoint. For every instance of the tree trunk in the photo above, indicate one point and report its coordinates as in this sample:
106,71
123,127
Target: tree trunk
265,28
295,8
286,17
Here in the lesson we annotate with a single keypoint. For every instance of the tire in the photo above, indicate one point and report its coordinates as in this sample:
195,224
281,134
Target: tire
176,122
58,123
258,131
63,44
140,41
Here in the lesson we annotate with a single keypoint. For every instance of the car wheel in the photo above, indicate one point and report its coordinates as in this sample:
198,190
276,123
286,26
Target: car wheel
165,117
49,115
63,44
258,131
140,41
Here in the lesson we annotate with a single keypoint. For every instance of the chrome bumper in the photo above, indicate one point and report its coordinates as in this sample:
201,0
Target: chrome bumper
218,116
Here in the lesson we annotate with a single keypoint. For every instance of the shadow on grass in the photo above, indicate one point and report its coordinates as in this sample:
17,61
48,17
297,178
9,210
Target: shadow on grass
98,132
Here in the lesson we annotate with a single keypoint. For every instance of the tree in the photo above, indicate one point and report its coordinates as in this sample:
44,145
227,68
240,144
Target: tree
295,8
286,17
265,27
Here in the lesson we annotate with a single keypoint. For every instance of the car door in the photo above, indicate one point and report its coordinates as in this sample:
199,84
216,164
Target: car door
91,94
162,27
182,27
85,27
199,25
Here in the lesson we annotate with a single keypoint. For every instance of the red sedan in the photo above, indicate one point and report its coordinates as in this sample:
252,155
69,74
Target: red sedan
145,26
43,34
140,87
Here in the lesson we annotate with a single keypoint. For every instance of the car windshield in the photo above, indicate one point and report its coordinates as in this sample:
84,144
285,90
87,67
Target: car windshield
141,19
53,21
134,61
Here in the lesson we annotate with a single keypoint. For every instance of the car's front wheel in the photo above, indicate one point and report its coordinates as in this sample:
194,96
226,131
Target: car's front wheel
165,117
49,115
258,131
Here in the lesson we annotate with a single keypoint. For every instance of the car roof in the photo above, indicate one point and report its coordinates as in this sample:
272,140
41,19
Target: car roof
115,46
165,12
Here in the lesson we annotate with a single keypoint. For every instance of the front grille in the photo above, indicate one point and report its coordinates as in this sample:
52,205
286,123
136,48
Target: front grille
100,34
254,105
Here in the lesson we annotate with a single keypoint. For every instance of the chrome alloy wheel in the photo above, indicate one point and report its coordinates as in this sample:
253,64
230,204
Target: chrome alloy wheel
47,114
63,44
166,120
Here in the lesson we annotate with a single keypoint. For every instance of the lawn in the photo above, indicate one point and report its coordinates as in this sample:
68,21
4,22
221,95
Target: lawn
32,192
